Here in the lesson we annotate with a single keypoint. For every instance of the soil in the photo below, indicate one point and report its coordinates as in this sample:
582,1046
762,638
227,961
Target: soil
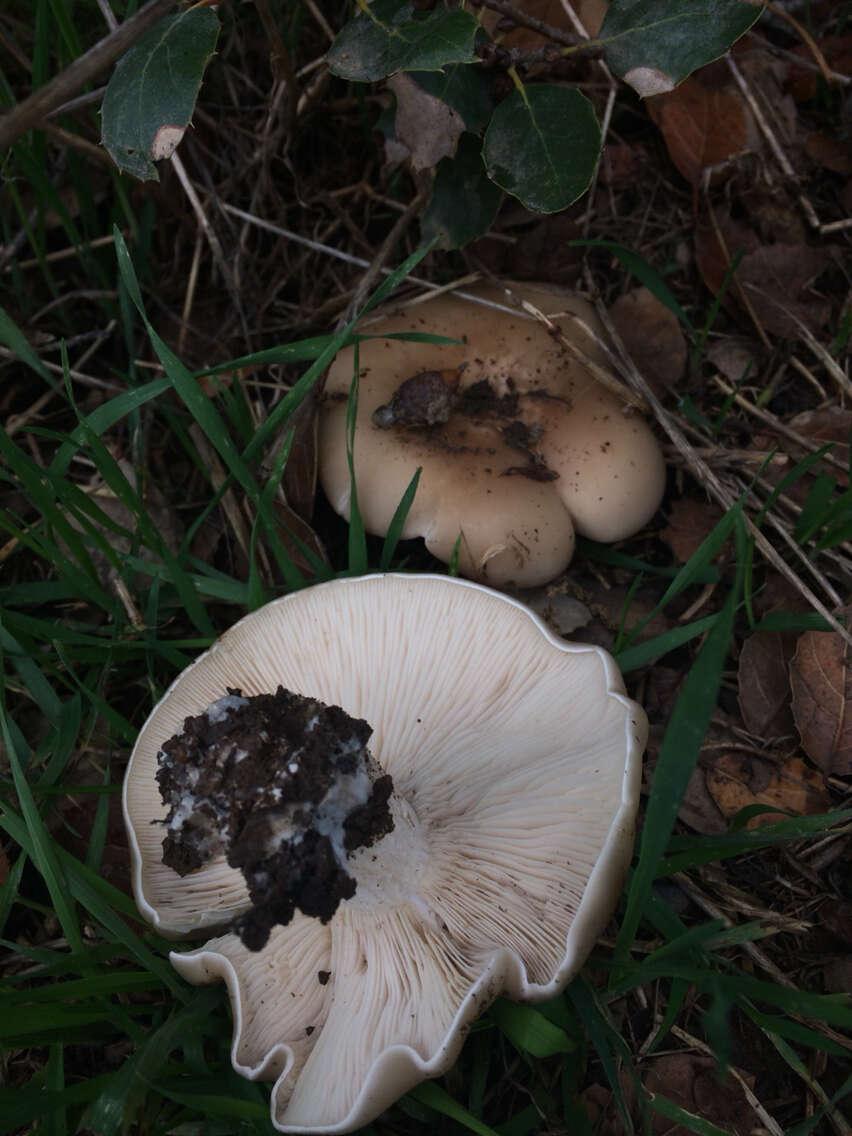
283,786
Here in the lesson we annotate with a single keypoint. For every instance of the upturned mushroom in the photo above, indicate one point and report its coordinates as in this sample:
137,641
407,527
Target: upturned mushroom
520,446
511,766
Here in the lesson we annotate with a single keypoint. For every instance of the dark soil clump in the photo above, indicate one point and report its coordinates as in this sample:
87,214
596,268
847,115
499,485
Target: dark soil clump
283,786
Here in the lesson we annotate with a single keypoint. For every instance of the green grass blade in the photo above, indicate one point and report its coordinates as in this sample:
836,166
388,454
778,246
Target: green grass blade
41,848
395,528
434,1097
678,755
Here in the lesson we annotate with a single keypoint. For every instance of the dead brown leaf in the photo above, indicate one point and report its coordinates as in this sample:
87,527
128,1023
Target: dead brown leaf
771,280
837,975
737,780
652,335
734,358
693,1082
690,523
426,125
822,700
764,683
829,424
703,126
829,152
837,50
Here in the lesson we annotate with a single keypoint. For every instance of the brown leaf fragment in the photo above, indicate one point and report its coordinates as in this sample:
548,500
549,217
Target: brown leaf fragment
693,1083
772,280
425,124
837,51
703,127
837,975
764,683
775,279
822,700
652,335
737,780
690,523
829,152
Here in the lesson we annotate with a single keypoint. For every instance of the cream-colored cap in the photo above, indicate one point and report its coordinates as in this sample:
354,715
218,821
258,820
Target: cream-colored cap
609,469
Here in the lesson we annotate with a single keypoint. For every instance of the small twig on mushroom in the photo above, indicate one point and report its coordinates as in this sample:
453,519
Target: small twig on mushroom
603,376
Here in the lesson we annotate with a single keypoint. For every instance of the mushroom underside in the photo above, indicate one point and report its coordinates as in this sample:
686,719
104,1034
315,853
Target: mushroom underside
515,806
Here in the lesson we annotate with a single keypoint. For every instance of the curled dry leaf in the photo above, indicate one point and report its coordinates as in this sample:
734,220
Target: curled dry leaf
822,700
652,335
692,1082
737,780
704,124
773,280
426,125
690,523
764,683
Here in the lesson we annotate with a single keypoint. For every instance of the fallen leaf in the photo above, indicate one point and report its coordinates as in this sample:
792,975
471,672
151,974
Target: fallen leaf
734,358
771,280
703,126
837,975
803,84
829,152
775,278
690,523
540,250
822,689
737,780
764,683
698,809
425,124
652,335
693,1082
621,164
829,424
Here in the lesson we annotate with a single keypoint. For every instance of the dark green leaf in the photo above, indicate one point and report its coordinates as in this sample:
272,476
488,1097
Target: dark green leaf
466,89
542,146
464,202
654,44
390,35
151,96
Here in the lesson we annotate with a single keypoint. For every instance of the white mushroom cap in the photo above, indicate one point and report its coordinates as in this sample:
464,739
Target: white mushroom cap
515,759
514,529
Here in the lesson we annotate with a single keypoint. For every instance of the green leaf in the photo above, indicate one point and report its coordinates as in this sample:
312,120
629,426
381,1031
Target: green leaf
529,1030
654,44
542,146
464,201
678,754
391,35
151,96
466,89
433,1096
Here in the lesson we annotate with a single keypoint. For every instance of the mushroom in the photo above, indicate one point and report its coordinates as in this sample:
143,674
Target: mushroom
525,448
515,761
